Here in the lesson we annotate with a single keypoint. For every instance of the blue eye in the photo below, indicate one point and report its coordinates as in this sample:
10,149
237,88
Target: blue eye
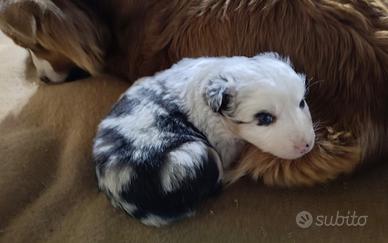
302,104
264,118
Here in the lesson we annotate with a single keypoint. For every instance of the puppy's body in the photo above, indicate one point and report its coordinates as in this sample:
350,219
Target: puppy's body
151,160
161,150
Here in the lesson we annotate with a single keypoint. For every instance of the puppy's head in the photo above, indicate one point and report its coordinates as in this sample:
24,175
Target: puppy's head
59,36
262,99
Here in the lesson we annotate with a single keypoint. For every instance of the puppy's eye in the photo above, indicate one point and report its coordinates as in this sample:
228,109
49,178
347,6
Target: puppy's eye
264,118
302,104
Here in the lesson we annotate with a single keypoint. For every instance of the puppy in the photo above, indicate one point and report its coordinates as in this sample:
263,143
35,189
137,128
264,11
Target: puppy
161,150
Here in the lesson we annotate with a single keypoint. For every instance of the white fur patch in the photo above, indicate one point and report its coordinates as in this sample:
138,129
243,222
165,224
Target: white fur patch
156,221
129,208
142,130
153,220
116,178
183,163
44,69
100,147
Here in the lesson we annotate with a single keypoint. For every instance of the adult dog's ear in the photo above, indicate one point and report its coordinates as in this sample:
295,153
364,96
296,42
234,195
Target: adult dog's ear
19,19
220,95
65,27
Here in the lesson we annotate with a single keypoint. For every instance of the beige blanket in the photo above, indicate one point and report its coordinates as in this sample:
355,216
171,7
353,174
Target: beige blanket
48,190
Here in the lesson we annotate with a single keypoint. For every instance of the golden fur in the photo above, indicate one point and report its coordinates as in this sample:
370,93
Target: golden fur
333,154
59,32
342,46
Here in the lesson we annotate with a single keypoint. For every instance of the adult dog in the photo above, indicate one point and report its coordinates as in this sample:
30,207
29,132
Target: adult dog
342,46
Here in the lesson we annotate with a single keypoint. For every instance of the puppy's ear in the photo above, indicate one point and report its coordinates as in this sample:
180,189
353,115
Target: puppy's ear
18,19
220,95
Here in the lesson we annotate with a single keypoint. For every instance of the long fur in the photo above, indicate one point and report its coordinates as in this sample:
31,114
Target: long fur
335,153
342,46
61,27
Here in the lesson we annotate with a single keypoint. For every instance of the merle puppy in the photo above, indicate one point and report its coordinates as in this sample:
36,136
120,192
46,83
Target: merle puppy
162,149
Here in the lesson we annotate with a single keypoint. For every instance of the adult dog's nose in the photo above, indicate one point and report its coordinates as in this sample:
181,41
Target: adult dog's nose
45,79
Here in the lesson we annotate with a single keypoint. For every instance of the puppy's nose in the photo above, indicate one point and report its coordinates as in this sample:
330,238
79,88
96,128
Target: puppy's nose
303,147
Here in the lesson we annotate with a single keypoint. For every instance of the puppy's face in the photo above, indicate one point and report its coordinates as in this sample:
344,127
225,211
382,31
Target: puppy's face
263,102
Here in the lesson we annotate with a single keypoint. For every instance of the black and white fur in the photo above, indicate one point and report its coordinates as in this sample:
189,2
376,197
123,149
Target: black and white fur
162,149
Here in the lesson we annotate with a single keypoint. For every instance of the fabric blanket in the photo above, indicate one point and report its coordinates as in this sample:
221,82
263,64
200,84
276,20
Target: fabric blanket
48,189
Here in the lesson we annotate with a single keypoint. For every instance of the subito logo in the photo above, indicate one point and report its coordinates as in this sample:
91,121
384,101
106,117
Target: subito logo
304,219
